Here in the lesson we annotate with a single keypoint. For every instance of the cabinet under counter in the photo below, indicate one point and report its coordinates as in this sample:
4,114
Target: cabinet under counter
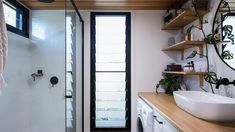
165,105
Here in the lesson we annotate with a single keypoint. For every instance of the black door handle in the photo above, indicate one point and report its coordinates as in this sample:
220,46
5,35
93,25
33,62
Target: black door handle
160,122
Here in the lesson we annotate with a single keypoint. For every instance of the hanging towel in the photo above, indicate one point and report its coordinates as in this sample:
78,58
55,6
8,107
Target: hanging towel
3,45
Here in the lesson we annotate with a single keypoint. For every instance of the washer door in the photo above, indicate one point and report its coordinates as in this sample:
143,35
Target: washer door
139,125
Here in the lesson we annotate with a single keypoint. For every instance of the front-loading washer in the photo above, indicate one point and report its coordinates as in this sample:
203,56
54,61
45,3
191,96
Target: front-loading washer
145,117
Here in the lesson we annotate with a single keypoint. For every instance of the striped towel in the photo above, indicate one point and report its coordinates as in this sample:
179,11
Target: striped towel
3,46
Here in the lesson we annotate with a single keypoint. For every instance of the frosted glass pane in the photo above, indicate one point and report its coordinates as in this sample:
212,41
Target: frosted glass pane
110,104
69,92
69,104
69,77
110,66
101,39
69,123
120,48
69,67
69,40
110,77
105,115
69,61
110,73
111,86
69,57
69,86
69,114
110,95
113,28
110,58
100,42
69,49
110,123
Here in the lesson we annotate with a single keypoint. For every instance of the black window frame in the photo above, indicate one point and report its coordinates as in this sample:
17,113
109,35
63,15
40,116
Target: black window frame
25,19
93,70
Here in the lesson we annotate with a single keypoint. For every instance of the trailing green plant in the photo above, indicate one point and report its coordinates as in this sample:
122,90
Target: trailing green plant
227,55
208,39
210,76
227,33
170,83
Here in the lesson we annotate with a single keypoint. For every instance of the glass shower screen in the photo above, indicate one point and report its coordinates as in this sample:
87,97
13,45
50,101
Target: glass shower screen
74,66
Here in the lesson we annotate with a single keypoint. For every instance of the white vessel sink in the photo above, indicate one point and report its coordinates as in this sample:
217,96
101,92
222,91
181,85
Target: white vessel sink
206,106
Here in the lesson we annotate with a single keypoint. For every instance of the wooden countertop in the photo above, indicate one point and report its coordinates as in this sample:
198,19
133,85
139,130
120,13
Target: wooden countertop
166,106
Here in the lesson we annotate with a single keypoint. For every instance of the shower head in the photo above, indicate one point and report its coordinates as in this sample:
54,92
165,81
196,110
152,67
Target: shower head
46,1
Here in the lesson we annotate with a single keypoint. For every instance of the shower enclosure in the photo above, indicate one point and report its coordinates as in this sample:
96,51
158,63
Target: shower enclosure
74,68
31,102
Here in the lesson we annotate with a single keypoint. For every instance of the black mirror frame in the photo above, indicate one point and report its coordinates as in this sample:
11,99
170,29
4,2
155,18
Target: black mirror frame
213,28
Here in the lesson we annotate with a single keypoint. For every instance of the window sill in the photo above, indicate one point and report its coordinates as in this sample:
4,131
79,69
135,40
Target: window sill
18,38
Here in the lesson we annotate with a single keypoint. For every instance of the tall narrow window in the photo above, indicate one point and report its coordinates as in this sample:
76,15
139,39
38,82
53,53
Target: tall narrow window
110,71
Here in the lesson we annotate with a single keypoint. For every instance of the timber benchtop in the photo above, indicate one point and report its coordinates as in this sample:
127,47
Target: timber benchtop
166,106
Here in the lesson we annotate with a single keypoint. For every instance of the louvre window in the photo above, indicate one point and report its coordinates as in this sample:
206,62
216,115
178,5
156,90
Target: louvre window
70,73
110,71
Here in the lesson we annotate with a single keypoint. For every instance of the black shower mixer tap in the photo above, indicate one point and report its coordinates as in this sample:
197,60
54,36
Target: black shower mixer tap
224,81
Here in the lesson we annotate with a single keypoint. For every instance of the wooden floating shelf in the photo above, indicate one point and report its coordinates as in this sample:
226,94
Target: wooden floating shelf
200,74
221,42
183,73
181,46
184,45
183,19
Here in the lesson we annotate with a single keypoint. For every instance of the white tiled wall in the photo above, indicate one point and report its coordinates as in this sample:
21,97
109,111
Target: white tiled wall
35,106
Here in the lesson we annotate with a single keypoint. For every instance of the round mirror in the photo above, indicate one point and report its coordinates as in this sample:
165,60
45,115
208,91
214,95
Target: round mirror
224,31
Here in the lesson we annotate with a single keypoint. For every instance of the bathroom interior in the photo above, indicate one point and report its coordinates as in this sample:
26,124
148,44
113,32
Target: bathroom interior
168,66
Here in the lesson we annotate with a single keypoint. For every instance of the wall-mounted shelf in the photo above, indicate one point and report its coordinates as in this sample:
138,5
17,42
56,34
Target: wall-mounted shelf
181,46
183,19
200,74
222,42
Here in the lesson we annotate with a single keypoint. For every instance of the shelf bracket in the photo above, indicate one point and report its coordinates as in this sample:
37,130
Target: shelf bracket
201,79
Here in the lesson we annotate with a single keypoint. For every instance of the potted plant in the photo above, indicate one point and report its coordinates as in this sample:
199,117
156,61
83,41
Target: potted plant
170,83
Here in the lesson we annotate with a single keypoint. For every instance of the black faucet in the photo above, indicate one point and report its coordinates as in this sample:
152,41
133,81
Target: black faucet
224,81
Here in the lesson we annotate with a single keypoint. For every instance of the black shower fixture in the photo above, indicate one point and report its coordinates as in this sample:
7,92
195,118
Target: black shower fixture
54,80
38,74
46,1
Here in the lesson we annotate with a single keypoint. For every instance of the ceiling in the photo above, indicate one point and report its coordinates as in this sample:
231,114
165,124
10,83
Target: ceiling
106,4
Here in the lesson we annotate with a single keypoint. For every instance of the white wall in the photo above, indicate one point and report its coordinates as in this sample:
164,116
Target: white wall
48,54
35,106
147,59
15,101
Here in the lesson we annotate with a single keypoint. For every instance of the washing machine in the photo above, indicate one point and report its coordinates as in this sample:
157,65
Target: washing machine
145,117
